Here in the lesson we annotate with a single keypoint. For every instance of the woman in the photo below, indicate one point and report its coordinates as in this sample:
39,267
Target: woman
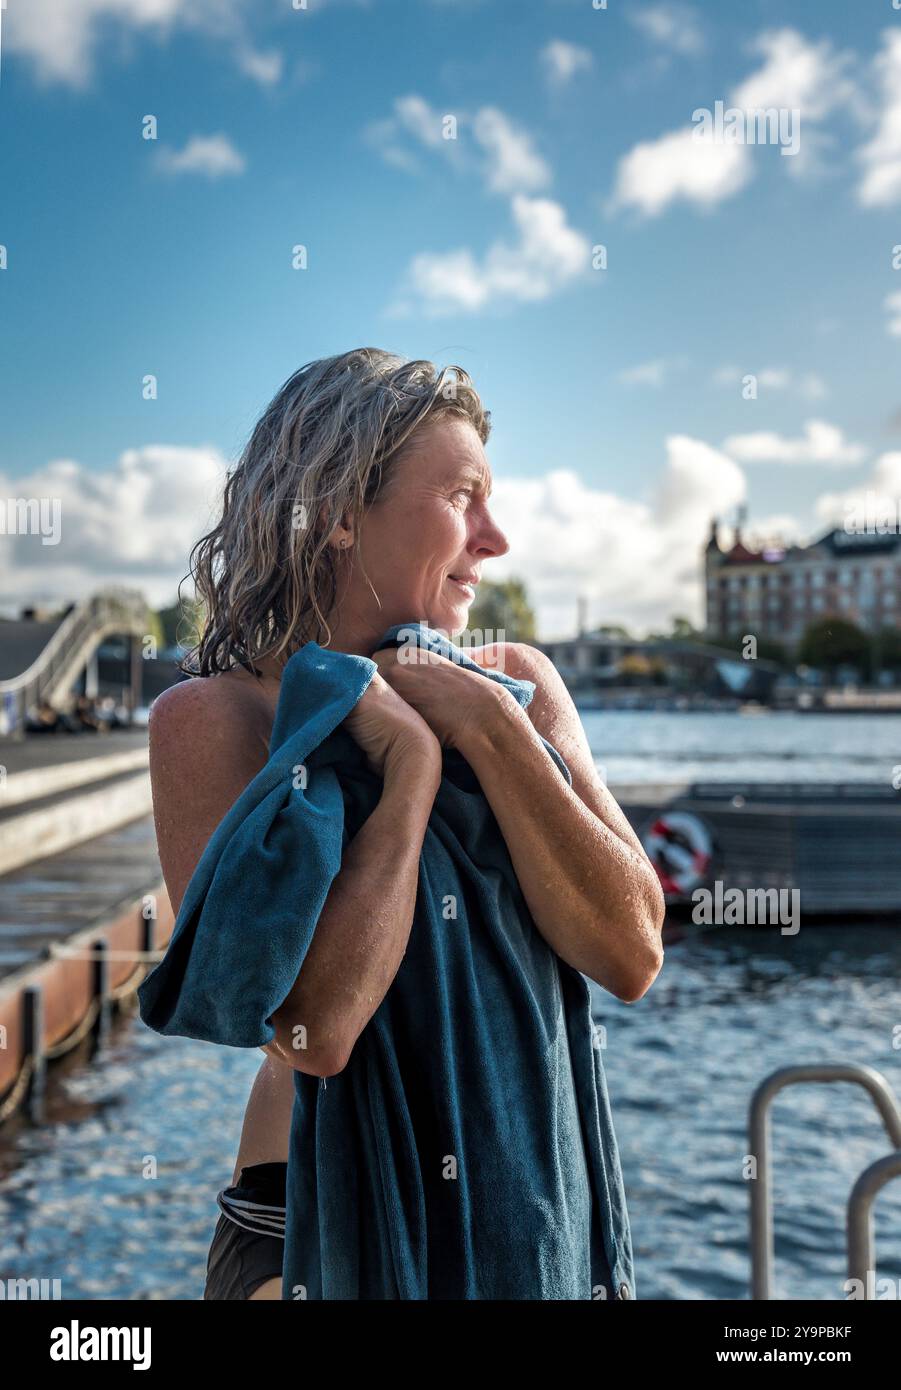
361,501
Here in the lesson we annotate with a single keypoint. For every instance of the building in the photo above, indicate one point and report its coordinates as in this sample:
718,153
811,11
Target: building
775,594
595,664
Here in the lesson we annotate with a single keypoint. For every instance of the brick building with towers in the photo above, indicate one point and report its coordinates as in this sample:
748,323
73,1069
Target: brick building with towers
777,593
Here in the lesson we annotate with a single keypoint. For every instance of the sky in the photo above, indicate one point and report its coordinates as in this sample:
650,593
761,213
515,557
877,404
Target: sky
664,327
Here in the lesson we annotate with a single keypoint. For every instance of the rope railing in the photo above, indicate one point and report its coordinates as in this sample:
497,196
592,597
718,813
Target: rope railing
15,1095
37,1054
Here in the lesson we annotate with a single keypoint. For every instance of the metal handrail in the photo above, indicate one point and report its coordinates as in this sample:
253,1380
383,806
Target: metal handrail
761,1209
861,1246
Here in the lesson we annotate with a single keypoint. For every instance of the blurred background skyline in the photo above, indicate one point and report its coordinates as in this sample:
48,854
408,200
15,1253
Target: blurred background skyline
620,426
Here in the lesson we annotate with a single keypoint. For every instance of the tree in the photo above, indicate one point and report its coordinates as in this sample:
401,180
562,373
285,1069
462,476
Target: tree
156,629
502,606
887,649
833,642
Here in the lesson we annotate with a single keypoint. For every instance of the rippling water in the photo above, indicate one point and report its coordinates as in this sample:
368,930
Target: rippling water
768,747
729,1007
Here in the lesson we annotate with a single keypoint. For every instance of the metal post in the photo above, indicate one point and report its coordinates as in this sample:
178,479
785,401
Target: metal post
33,1050
148,932
101,1027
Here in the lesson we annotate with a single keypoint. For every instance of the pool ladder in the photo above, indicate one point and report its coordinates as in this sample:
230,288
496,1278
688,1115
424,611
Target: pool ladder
861,1257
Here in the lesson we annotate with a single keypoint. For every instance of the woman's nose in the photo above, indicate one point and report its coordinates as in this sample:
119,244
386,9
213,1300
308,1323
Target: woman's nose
489,539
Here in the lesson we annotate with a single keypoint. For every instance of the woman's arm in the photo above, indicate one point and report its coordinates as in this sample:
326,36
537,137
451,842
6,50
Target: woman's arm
586,878
363,928
587,881
207,742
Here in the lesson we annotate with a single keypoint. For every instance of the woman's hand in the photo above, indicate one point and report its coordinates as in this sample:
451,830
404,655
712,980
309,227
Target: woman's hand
390,731
455,703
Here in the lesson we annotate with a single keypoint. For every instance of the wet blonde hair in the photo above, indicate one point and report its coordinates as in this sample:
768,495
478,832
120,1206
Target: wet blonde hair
321,452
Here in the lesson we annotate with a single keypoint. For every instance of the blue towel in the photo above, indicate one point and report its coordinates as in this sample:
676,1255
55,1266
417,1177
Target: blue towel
466,1150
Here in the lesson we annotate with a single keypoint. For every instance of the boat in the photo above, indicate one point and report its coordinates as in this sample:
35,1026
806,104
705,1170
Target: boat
837,846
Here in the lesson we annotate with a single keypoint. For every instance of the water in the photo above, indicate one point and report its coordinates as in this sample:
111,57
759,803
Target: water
636,746
729,1007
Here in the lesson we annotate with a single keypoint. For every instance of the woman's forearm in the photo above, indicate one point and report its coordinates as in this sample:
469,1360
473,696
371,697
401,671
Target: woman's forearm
363,929
593,896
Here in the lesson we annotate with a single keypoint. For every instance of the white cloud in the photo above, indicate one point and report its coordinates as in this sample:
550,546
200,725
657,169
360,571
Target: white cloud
795,75
821,443
727,376
512,164
136,522
672,26
893,309
61,39
417,118
505,155
647,373
412,119
212,155
636,562
806,384
881,156
133,524
265,68
876,500
811,78
562,60
776,378
548,255
656,173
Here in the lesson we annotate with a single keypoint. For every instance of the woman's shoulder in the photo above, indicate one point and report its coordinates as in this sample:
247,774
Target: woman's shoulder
516,659
551,709
208,740
213,711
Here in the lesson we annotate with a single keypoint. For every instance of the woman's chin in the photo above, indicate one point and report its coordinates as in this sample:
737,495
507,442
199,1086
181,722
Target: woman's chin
452,618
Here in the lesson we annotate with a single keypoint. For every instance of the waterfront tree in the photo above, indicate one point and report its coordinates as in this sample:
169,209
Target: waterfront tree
831,643
503,606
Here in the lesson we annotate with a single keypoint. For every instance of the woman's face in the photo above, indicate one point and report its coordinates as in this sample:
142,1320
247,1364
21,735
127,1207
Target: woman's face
425,540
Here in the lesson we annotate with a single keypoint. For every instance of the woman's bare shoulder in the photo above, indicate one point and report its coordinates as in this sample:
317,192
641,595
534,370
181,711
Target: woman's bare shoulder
515,659
208,740
209,712
551,709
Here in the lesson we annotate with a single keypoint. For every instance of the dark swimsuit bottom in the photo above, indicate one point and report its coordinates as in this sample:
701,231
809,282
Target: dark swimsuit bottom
249,1242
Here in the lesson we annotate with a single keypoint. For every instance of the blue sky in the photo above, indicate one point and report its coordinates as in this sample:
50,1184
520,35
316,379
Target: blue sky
616,397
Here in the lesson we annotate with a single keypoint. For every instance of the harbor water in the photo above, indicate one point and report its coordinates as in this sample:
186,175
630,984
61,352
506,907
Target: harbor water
114,1195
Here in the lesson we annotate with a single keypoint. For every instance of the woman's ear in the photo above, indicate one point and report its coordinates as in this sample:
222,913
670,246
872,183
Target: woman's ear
341,536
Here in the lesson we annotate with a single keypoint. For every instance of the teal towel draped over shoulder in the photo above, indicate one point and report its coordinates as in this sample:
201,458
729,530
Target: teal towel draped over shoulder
467,1149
